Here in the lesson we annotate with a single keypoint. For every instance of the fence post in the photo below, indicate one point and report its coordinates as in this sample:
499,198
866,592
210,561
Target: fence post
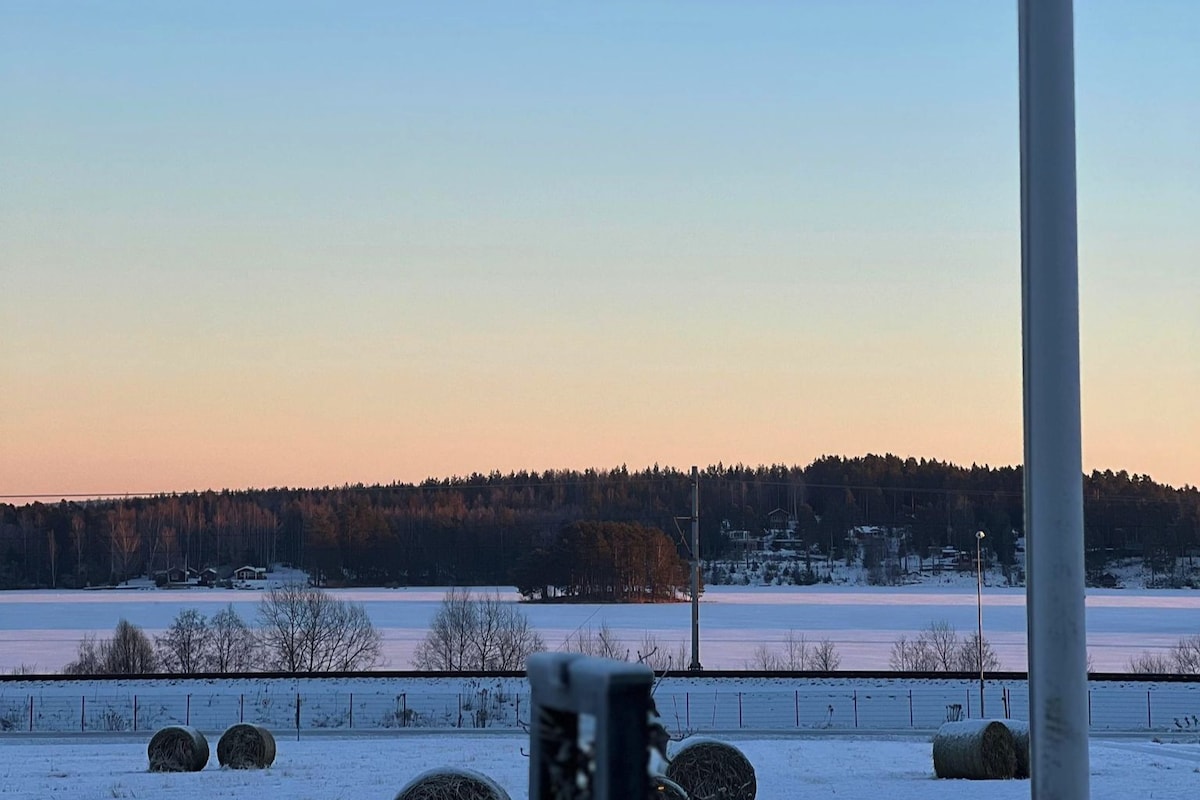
135,710
687,708
1089,708
518,709
82,713
352,710
1149,717
797,708
856,708
739,709
297,716
968,703
404,709
187,712
31,713
242,707
911,722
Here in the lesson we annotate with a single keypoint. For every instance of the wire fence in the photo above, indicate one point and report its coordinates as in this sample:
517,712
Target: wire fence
1117,708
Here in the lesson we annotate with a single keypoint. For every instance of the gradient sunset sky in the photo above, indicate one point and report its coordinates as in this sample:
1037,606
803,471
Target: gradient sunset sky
295,243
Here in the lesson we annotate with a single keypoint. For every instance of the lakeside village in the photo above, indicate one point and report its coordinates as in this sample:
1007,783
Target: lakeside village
776,555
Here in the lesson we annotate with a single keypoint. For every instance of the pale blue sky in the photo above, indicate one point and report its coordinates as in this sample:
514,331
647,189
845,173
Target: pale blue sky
323,242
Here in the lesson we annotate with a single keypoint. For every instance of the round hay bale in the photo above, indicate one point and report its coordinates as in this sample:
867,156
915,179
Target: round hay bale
245,746
177,748
708,769
662,788
1020,731
974,749
452,783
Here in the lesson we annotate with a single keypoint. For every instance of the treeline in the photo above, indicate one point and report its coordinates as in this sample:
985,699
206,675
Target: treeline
480,529
300,630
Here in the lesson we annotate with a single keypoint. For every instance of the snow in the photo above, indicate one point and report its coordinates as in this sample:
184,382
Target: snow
687,704
43,627
345,767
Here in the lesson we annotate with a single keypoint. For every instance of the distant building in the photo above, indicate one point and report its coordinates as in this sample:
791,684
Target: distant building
250,573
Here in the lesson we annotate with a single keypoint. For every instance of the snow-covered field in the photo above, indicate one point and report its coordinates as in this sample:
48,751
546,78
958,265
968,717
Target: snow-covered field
43,628
375,767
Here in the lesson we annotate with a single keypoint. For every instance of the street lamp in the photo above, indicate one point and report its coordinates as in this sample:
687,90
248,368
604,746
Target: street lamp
979,609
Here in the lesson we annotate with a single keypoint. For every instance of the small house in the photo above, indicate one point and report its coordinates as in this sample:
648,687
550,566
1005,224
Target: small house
250,573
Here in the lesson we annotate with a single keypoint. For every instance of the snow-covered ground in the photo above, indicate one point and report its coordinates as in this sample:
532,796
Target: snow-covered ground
43,628
375,767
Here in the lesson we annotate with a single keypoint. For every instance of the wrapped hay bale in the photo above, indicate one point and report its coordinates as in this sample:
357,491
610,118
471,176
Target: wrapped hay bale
177,748
662,788
1020,732
974,749
245,746
708,769
452,783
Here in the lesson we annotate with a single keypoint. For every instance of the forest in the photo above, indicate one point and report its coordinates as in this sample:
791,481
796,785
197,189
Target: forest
528,527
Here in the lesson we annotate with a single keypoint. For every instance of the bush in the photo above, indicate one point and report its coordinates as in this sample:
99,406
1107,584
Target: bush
129,652
303,629
477,633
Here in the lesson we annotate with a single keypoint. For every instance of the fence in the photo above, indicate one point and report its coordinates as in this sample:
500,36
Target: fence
1112,707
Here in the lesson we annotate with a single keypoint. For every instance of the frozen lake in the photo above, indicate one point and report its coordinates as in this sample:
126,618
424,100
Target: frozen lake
44,627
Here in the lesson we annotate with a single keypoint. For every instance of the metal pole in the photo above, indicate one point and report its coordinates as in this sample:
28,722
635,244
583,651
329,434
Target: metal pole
979,610
695,569
1050,349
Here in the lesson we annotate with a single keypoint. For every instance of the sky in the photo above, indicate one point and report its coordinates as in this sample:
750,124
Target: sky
313,243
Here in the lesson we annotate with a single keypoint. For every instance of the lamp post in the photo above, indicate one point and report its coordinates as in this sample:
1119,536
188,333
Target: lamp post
979,609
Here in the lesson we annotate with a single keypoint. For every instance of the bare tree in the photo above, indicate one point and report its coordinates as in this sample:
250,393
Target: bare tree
765,659
796,651
78,539
938,648
825,657
233,647
602,643
129,652
968,655
1186,655
123,542
88,658
303,629
658,656
1149,663
795,655
447,645
911,655
943,643
186,647
52,549
477,633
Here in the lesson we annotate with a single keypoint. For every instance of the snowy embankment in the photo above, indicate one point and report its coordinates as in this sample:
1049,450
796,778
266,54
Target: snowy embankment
687,704
338,767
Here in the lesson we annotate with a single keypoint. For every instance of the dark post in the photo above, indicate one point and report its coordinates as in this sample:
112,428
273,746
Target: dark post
609,703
